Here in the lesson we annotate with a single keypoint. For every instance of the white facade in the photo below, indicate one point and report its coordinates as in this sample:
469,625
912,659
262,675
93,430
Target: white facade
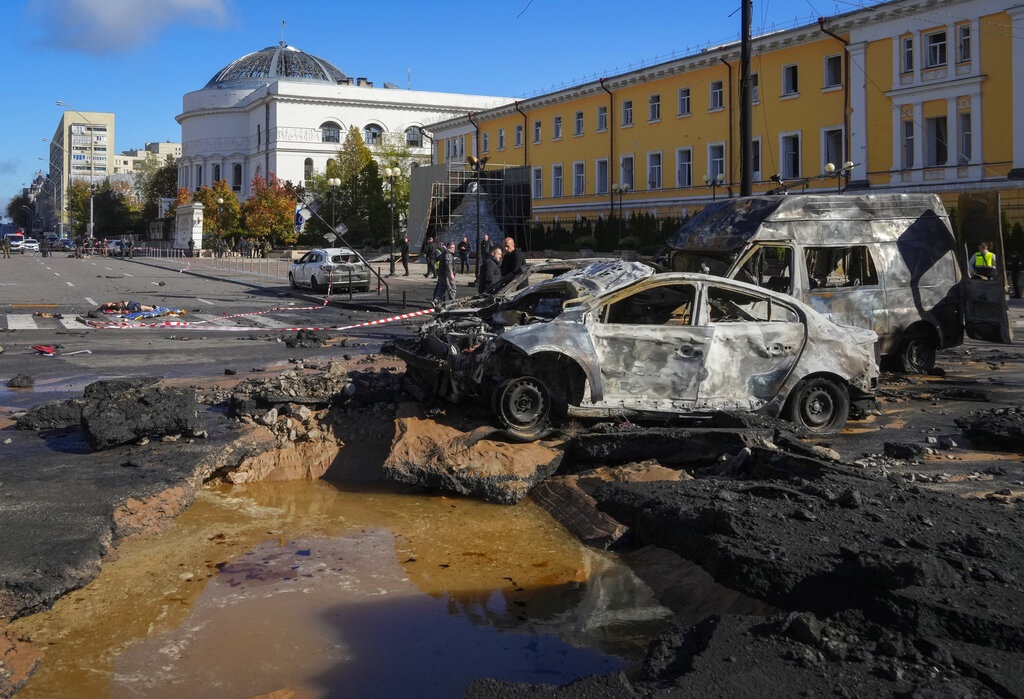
237,129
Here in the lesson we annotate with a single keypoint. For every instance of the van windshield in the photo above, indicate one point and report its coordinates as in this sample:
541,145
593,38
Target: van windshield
701,262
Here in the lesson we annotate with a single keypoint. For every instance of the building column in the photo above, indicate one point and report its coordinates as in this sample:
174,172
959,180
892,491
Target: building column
858,117
1017,100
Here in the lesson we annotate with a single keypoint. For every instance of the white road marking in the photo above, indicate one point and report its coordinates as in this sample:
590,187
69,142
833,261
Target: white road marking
209,303
69,283
91,302
21,321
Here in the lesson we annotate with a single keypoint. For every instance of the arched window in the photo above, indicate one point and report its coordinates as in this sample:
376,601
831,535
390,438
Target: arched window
307,169
372,134
236,177
413,137
330,132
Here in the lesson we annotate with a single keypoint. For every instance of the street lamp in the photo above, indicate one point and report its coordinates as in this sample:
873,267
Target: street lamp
92,164
59,213
840,174
333,183
220,200
622,191
63,191
477,165
391,173
714,182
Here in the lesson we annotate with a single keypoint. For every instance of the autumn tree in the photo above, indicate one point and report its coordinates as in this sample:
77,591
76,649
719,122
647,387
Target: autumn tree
222,214
269,213
360,198
156,180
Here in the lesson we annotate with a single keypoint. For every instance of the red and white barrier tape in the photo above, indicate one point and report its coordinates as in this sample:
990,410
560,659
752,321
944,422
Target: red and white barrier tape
185,325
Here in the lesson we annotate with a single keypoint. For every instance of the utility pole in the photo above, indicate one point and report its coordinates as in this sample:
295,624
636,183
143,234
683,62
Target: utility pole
746,108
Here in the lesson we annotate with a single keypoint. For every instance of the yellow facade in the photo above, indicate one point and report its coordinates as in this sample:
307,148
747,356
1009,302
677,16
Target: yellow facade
919,95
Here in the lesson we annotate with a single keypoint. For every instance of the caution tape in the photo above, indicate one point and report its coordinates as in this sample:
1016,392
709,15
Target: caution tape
185,325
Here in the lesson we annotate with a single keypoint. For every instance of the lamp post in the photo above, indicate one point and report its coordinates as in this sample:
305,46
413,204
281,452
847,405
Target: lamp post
714,182
333,183
622,191
477,166
92,165
841,174
392,173
63,191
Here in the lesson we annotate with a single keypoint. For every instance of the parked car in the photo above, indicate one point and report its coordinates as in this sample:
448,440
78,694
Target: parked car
17,241
62,245
30,244
619,340
330,268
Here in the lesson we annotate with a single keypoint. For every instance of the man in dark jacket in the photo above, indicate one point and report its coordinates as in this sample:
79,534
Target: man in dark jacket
444,290
513,259
464,255
429,252
405,255
490,271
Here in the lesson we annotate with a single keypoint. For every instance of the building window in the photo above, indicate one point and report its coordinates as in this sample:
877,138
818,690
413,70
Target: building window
236,177
578,124
683,106
626,171
654,108
684,167
556,128
519,135
716,100
935,50
963,43
654,171
579,179
556,181
791,157
216,174
936,142
907,54
372,134
755,88
414,137
330,132
755,159
832,147
538,183
965,138
501,139
716,160
536,131
485,144
627,113
307,169
199,176
601,175
908,144
790,84
602,118
833,71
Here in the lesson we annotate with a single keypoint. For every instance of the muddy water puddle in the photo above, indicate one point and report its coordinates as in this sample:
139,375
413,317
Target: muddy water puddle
319,590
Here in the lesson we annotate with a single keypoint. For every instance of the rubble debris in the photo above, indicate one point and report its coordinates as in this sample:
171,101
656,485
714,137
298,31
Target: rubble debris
308,338
21,381
1001,429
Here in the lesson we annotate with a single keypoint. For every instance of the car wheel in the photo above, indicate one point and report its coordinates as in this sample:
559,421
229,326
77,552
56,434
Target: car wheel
314,284
819,405
291,281
523,407
917,355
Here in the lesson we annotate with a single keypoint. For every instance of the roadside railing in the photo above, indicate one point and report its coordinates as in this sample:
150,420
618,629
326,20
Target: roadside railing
274,267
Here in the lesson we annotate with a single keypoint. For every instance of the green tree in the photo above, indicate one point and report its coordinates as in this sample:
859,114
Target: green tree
269,214
156,181
397,154
360,198
221,219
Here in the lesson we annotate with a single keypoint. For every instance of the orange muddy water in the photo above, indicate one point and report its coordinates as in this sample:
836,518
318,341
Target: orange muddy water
313,590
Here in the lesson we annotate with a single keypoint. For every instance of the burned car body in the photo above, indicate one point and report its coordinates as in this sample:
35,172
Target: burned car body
618,339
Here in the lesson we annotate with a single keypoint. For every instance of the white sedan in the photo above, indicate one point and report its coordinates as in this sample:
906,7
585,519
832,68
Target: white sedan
31,244
330,269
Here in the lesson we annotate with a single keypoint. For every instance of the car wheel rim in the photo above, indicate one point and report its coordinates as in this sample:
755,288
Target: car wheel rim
523,403
818,408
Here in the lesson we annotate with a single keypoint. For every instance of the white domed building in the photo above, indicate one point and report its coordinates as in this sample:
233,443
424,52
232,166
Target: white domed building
286,112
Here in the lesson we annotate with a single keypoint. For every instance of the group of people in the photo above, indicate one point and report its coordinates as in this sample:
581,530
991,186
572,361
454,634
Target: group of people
497,262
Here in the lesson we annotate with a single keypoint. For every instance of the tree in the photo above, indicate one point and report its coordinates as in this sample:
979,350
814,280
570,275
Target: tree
17,213
221,220
269,214
361,205
397,154
78,195
156,181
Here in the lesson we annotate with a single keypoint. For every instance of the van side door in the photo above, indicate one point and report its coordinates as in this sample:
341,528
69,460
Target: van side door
844,285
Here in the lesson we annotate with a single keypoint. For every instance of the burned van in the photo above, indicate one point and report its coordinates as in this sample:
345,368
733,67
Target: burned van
887,262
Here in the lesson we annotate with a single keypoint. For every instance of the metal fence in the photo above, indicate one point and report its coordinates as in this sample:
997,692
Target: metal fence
273,267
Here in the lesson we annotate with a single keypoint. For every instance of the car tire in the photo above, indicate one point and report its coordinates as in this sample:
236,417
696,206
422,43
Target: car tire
314,285
819,405
523,407
917,355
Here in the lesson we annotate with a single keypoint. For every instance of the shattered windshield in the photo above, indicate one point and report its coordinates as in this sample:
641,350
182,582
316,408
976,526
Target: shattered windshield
701,262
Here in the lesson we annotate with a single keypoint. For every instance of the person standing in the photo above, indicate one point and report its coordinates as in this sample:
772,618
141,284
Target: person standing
513,260
429,252
7,248
490,271
983,263
1013,261
444,290
464,255
191,247
404,250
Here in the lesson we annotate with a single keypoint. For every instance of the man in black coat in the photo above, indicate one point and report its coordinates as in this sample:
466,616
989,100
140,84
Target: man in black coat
513,260
405,254
463,249
429,253
490,271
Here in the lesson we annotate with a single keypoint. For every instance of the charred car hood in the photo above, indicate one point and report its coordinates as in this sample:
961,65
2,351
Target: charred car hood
595,279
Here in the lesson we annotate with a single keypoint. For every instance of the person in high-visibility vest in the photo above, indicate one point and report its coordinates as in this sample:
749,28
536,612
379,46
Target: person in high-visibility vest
983,262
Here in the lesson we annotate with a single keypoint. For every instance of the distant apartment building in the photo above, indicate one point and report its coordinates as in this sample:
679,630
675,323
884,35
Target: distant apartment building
919,95
81,148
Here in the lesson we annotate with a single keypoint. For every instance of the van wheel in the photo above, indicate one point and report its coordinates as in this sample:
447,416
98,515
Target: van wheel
917,355
523,407
819,405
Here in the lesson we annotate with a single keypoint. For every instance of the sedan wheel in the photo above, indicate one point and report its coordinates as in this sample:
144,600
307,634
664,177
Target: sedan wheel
819,405
314,284
291,281
523,407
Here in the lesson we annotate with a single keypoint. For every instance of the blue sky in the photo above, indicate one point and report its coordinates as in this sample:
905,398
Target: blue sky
137,58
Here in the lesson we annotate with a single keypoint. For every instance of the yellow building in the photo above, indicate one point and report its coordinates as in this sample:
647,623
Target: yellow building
918,95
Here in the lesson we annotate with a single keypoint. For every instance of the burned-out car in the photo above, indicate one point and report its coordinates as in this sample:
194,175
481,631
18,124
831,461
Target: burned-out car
618,339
